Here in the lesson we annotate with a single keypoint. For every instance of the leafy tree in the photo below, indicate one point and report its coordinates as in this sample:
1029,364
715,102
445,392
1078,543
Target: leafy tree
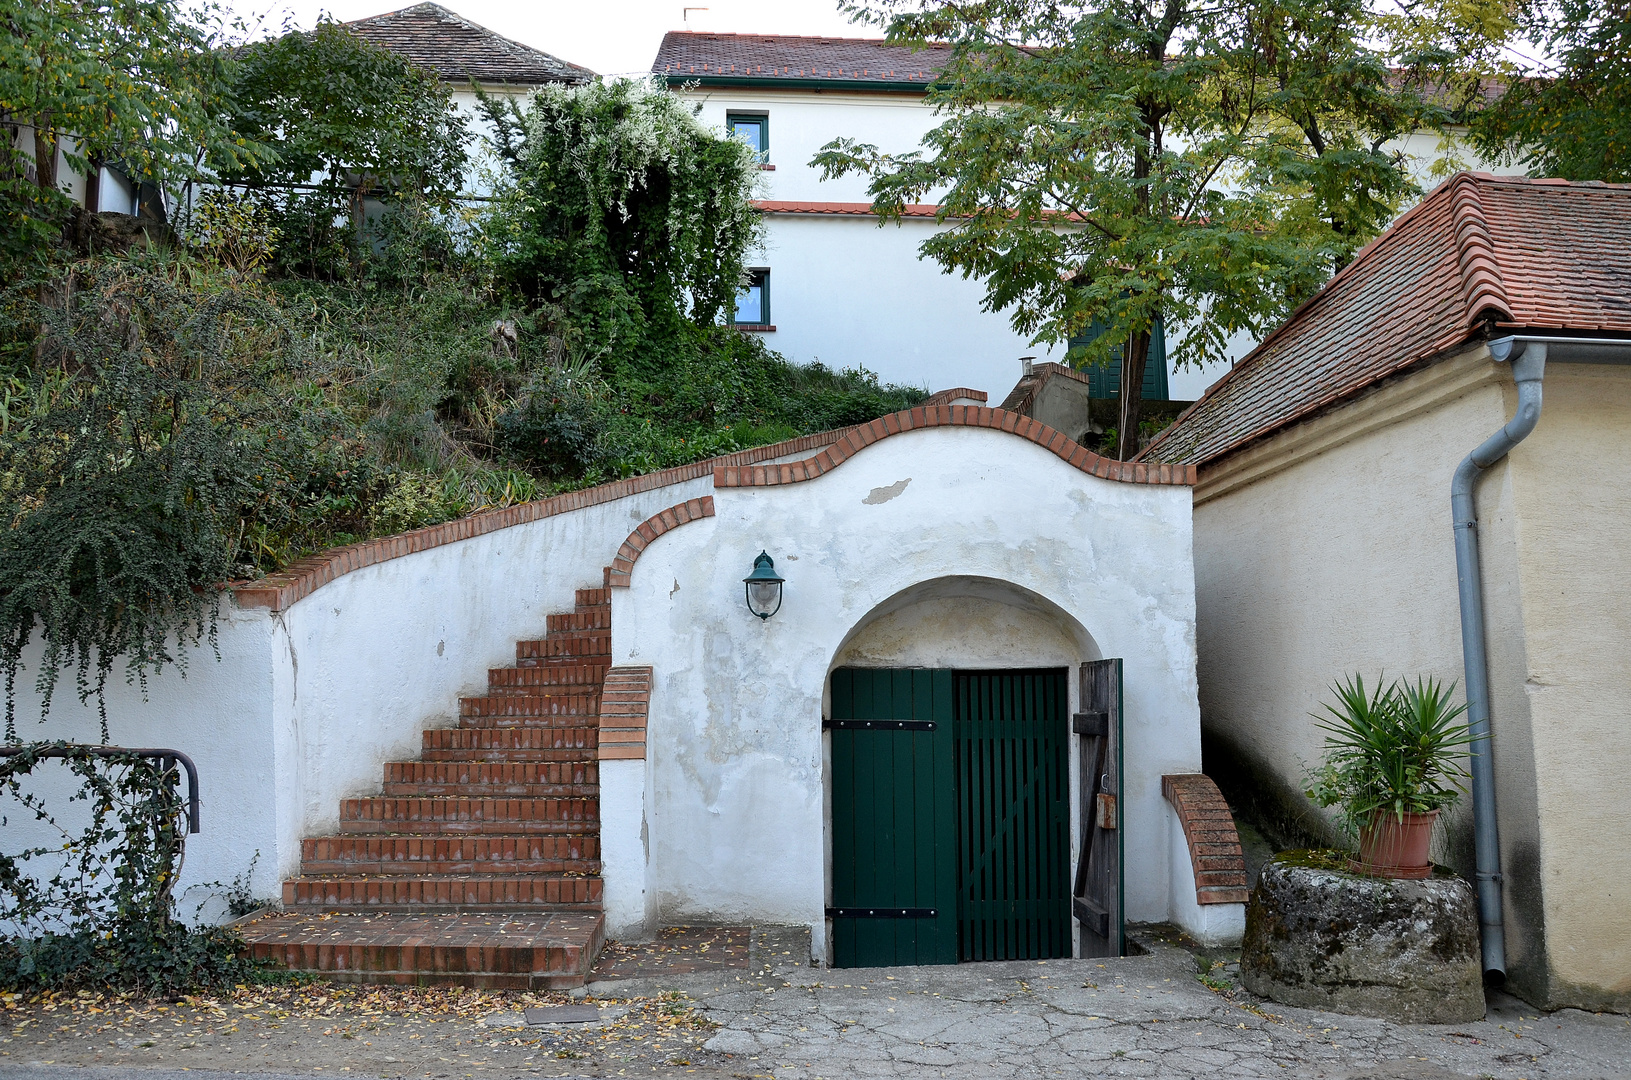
1573,119
350,118
628,213
132,81
1122,162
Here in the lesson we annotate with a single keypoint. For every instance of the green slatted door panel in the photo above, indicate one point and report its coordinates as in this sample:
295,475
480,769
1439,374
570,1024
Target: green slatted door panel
893,818
1013,819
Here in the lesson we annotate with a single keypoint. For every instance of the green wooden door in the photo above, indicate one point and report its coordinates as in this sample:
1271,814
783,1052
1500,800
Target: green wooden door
894,873
950,816
1013,789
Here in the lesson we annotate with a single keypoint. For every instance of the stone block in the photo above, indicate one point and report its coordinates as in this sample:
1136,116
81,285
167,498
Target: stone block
1325,938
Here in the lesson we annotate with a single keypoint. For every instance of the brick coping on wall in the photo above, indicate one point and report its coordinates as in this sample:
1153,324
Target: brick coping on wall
617,574
625,699
304,576
947,397
864,435
1214,843
742,469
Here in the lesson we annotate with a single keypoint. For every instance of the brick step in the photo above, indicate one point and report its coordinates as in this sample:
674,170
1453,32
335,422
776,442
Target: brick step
529,705
469,815
490,790
603,662
580,734
430,854
594,598
450,868
552,680
453,892
493,772
591,618
488,951
567,721
577,646
571,749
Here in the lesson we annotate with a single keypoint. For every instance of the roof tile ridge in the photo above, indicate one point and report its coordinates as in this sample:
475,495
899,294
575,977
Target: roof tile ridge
507,44
1481,284
805,37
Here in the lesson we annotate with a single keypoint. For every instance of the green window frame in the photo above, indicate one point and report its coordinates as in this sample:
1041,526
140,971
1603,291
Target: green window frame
757,287
759,122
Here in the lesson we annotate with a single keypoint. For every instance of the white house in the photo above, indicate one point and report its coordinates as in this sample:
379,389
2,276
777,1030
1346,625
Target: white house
832,286
467,56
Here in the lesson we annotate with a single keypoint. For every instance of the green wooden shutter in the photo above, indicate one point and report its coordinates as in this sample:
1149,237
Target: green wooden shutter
1104,381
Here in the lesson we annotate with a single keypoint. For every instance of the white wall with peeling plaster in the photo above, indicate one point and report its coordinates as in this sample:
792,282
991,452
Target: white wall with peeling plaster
957,547
962,547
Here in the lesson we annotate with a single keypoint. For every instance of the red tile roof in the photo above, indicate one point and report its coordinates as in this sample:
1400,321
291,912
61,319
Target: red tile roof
459,50
722,58
1481,255
852,209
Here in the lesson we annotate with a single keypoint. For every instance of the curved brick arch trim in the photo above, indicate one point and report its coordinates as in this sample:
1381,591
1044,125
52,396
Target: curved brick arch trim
864,435
1214,844
947,397
617,574
303,577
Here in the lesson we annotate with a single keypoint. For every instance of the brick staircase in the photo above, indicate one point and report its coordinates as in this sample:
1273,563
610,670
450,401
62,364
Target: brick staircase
480,862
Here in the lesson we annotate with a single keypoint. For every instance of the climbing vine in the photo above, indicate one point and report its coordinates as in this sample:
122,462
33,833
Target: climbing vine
91,899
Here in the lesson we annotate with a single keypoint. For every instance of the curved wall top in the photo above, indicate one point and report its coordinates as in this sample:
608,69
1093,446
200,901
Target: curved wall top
747,468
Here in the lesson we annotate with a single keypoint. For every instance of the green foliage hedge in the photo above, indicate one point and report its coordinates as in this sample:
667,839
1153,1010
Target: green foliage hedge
169,424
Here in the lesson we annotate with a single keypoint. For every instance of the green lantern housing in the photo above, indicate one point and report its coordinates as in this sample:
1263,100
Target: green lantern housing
763,587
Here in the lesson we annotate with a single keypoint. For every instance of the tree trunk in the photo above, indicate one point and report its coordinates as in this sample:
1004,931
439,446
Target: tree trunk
93,183
45,155
1133,359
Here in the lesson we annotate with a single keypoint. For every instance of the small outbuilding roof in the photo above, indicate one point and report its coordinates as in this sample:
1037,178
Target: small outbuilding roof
771,59
1478,257
460,51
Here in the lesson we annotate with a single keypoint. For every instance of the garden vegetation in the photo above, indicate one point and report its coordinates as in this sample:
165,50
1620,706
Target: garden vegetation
324,342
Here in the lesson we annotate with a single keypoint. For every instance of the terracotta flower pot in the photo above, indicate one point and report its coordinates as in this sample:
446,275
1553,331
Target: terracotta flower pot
1395,847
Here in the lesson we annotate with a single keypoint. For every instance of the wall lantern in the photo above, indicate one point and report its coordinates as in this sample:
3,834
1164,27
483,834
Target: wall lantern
763,587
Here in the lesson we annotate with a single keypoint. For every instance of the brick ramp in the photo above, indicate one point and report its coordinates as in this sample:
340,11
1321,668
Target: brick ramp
479,863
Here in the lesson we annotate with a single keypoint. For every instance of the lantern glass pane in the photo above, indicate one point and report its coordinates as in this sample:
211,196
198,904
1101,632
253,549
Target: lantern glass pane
763,596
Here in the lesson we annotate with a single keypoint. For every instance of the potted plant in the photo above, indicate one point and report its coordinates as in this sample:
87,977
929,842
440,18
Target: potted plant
1392,761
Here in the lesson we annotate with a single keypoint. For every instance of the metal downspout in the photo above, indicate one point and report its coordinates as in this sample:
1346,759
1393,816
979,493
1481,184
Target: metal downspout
1528,368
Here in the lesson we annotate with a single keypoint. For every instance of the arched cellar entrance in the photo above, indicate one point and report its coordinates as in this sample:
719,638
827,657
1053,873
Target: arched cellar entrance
952,785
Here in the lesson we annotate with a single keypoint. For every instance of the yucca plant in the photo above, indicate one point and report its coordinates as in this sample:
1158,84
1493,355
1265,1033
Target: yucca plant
1396,750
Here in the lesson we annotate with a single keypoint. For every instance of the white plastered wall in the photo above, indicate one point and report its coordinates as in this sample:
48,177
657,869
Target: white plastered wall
1571,485
736,800
306,705
845,290
1209,924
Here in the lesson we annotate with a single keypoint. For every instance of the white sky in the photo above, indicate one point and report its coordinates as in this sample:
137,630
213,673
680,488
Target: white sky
612,37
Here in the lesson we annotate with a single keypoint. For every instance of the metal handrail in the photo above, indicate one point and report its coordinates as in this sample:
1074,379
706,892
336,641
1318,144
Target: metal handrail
175,756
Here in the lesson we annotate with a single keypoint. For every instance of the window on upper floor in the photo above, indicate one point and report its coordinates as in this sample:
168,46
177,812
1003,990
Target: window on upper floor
753,302
753,129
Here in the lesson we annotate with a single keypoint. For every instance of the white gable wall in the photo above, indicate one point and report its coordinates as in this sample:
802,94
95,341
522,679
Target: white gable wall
988,521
